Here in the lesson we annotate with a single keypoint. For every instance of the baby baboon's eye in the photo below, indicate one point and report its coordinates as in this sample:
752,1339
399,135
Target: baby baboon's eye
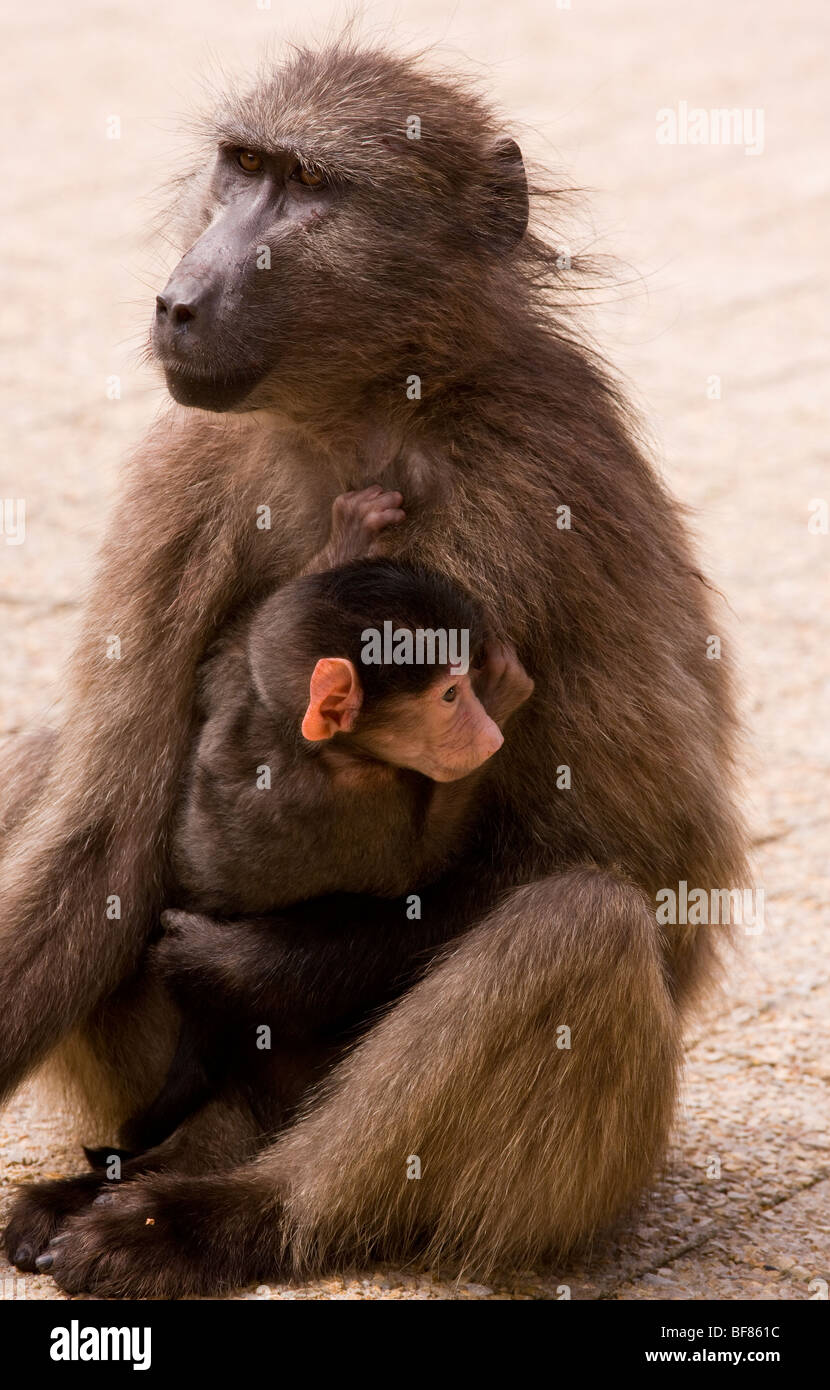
450,694
249,160
310,178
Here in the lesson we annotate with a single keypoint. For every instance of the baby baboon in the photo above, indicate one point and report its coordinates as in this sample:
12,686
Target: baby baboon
353,741
361,291
369,788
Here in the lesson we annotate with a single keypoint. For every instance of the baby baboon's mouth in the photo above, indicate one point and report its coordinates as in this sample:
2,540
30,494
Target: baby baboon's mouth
210,390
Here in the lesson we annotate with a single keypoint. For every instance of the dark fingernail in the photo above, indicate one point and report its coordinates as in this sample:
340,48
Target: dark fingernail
22,1254
44,1262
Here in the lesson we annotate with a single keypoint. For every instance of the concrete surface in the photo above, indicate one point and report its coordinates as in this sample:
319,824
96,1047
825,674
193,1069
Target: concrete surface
728,278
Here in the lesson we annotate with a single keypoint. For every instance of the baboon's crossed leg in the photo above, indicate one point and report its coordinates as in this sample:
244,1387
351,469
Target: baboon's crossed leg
526,1145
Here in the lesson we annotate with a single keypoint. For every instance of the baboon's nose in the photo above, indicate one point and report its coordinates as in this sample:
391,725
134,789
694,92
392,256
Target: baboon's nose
185,314
174,309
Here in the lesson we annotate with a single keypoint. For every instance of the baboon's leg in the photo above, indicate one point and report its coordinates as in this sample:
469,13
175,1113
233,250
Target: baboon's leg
526,1144
530,1137
273,1081
185,1090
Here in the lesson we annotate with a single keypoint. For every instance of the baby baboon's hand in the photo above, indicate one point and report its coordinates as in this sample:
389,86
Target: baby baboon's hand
357,518
204,959
192,946
502,684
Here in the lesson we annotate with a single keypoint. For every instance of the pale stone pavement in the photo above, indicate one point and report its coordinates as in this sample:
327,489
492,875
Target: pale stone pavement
724,274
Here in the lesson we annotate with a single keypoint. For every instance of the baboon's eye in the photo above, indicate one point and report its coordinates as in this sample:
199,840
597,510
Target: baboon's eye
249,160
449,695
308,177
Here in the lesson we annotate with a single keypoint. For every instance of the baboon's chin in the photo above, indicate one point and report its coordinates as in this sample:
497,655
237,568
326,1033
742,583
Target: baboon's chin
210,392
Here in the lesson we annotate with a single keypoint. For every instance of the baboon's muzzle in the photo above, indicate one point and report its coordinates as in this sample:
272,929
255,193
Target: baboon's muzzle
199,317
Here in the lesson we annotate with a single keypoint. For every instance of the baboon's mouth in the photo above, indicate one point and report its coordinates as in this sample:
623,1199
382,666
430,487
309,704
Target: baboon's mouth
210,390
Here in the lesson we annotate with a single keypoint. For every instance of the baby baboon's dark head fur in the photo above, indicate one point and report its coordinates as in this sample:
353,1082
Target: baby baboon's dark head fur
327,614
420,211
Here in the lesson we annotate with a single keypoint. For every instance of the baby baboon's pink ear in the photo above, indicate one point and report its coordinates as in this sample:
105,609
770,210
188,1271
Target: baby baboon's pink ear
334,699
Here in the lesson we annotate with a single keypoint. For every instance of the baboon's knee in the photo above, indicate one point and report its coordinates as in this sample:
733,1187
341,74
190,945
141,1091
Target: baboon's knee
585,919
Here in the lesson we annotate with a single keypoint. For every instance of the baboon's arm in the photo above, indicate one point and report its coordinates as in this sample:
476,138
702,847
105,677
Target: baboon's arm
92,844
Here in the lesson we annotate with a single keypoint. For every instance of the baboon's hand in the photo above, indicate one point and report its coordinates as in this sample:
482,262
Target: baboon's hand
207,960
502,684
193,949
357,518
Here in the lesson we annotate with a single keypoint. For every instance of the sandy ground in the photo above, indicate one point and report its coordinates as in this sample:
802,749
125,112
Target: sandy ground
728,279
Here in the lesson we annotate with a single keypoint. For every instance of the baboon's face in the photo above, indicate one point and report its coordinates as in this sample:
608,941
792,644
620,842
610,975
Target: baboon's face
232,307
336,239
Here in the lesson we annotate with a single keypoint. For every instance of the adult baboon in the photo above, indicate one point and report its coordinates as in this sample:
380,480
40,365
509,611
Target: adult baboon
372,308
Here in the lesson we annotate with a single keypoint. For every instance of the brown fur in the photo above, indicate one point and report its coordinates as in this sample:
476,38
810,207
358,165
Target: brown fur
525,1149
